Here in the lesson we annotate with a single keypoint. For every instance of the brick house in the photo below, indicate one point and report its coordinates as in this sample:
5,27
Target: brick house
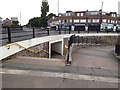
7,22
84,20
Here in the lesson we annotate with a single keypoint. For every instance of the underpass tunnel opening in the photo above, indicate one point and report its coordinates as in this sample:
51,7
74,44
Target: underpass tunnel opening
56,50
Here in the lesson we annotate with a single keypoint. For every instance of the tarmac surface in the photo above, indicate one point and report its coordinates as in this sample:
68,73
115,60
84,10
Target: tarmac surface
92,67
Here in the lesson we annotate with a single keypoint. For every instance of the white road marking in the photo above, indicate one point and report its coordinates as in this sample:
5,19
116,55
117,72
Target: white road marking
59,75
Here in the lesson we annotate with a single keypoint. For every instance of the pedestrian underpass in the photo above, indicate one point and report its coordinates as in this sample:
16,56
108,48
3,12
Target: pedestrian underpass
56,48
56,44
95,62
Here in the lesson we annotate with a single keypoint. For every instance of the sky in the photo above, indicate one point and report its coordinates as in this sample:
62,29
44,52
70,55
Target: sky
32,8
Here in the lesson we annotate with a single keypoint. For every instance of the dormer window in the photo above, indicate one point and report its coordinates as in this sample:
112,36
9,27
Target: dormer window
60,15
78,14
81,14
104,20
53,17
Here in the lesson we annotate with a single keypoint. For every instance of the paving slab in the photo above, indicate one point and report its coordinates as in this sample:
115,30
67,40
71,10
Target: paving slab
104,73
69,69
100,58
85,71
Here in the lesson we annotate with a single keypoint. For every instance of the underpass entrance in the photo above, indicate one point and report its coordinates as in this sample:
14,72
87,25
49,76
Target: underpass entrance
56,49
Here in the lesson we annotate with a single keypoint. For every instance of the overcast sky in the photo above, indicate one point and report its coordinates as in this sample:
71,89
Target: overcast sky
32,8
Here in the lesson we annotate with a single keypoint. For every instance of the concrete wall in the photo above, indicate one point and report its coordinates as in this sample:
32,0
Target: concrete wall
65,43
39,48
57,47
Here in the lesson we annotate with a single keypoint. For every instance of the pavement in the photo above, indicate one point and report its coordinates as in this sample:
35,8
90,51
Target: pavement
91,67
24,81
98,62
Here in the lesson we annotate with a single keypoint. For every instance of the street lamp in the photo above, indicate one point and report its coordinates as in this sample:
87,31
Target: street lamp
101,14
20,18
58,8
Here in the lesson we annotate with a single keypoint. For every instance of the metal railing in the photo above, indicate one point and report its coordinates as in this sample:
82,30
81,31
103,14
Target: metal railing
10,35
85,41
117,50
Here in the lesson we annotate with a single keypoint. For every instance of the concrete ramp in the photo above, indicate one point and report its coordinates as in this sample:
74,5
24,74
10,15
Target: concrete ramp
35,61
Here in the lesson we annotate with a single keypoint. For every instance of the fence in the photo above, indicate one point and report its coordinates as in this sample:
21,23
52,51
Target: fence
10,35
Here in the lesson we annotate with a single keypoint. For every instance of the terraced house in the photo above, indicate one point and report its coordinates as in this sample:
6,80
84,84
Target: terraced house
86,20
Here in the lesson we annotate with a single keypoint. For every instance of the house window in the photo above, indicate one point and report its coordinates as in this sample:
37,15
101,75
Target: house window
60,15
78,14
66,14
67,20
104,20
108,21
113,21
83,20
89,20
70,20
62,21
81,14
95,20
59,21
114,15
76,20
53,17
94,13
69,14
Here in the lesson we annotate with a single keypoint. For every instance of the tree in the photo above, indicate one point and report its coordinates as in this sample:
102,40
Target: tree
34,22
15,23
41,21
44,11
51,15
44,8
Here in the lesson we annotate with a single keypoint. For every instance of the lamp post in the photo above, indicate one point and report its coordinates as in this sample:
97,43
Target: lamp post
58,8
20,18
101,14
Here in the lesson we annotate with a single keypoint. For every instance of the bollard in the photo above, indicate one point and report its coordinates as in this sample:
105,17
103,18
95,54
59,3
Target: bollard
33,32
107,30
78,31
97,30
64,31
59,30
9,35
69,29
88,31
48,32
